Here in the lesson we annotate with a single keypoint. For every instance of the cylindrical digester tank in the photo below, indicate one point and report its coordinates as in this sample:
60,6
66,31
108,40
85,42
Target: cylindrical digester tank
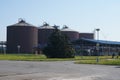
71,34
22,37
44,33
86,35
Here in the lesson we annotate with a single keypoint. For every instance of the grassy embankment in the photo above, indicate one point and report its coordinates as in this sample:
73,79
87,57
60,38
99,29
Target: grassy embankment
107,60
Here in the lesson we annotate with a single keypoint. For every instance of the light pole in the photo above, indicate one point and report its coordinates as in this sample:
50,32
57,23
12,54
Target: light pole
18,46
2,46
97,45
4,49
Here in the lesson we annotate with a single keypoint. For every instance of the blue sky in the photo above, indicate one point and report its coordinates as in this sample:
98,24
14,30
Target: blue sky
80,15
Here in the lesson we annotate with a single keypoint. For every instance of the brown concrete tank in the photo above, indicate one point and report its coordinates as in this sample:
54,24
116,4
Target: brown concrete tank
44,33
22,37
72,35
86,35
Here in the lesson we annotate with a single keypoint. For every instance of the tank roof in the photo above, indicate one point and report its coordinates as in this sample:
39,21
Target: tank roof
22,22
66,28
46,26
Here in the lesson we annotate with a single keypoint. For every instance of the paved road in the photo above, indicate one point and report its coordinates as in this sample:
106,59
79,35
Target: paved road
59,70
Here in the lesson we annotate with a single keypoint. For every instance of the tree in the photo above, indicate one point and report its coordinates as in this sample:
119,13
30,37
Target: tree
58,46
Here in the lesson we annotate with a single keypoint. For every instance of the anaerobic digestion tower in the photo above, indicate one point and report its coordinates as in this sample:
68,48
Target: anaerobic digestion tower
22,37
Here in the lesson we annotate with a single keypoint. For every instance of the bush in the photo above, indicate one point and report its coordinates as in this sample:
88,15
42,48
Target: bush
58,46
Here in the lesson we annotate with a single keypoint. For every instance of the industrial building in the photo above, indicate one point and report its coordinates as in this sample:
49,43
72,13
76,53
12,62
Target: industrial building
86,35
71,34
44,33
96,47
23,37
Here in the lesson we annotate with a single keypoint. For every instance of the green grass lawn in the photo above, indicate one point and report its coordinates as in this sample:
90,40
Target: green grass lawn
105,60
26,57
30,57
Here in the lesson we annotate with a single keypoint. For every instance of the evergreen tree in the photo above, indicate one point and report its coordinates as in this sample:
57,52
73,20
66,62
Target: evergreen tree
58,46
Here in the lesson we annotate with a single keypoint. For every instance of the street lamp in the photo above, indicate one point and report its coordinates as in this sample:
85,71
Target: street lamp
18,46
4,49
97,45
98,33
2,43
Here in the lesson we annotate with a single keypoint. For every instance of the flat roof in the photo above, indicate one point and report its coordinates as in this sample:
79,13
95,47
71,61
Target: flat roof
102,41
